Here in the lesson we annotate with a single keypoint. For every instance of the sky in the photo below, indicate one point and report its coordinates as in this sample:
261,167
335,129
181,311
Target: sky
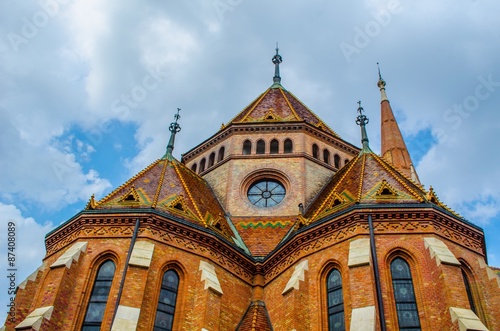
88,89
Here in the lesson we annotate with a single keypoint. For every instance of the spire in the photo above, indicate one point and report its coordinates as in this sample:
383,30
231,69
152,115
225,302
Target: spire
277,59
362,120
393,148
174,128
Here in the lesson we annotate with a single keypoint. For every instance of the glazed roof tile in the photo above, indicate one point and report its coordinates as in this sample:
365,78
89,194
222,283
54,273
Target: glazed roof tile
367,179
169,186
278,105
256,318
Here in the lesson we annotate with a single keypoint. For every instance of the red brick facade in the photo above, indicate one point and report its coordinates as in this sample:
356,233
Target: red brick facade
260,268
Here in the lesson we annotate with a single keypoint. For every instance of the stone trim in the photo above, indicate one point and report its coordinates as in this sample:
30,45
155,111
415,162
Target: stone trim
126,319
297,276
35,318
72,253
440,251
209,276
467,320
363,319
491,273
359,252
142,254
31,277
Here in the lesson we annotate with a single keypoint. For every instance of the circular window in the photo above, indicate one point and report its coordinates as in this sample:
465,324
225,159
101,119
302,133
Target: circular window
266,193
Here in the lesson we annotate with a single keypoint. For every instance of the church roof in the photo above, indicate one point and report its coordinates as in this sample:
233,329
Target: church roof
279,105
255,318
169,186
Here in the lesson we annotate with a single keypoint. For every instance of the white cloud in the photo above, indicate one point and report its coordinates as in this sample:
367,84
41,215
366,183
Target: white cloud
29,247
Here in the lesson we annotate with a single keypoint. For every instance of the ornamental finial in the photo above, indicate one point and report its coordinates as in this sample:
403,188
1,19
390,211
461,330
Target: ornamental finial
173,128
381,84
362,120
277,59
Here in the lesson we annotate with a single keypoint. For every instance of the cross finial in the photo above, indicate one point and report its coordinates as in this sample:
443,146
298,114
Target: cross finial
379,75
277,59
362,120
173,128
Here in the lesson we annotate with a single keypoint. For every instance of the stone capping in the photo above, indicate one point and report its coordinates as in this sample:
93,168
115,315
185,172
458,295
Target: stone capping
467,320
72,253
32,277
440,251
297,276
126,318
35,318
209,276
491,273
142,254
359,252
363,319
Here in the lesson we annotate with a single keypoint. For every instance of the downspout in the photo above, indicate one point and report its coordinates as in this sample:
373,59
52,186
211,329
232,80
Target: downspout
373,250
122,281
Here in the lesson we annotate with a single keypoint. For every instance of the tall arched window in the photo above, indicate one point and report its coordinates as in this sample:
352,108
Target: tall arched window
99,297
261,147
326,156
315,151
211,159
469,292
193,167
335,301
202,164
274,148
404,295
220,156
336,161
247,147
164,319
288,146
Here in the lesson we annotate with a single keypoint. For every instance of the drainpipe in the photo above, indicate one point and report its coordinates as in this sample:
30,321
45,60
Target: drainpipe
122,281
373,250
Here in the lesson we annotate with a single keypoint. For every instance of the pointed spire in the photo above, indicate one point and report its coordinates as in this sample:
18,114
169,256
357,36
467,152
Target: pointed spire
381,85
174,128
393,148
362,120
277,59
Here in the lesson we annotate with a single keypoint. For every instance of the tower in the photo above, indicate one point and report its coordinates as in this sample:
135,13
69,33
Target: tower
273,223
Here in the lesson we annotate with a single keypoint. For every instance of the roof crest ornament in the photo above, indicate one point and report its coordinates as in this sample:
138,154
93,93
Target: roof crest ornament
277,59
173,128
381,85
362,120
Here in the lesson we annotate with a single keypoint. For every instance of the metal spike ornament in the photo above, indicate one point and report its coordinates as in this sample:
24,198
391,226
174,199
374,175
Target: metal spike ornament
173,128
277,59
362,120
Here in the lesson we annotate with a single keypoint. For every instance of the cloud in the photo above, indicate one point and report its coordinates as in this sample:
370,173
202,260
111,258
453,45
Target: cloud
29,246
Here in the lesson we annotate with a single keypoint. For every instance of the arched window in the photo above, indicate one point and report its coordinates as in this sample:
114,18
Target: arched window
220,156
326,156
202,164
193,167
335,301
211,159
288,146
275,145
247,147
404,295
99,297
261,147
336,161
469,292
315,151
166,303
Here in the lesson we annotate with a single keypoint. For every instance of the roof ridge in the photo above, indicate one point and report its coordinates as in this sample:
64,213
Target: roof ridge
290,105
312,112
131,179
160,183
188,191
360,188
255,103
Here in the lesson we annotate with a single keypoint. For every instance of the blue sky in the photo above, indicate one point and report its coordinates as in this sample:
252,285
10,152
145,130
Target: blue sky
88,89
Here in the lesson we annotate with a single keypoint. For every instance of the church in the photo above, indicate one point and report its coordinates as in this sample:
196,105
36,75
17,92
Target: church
272,223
